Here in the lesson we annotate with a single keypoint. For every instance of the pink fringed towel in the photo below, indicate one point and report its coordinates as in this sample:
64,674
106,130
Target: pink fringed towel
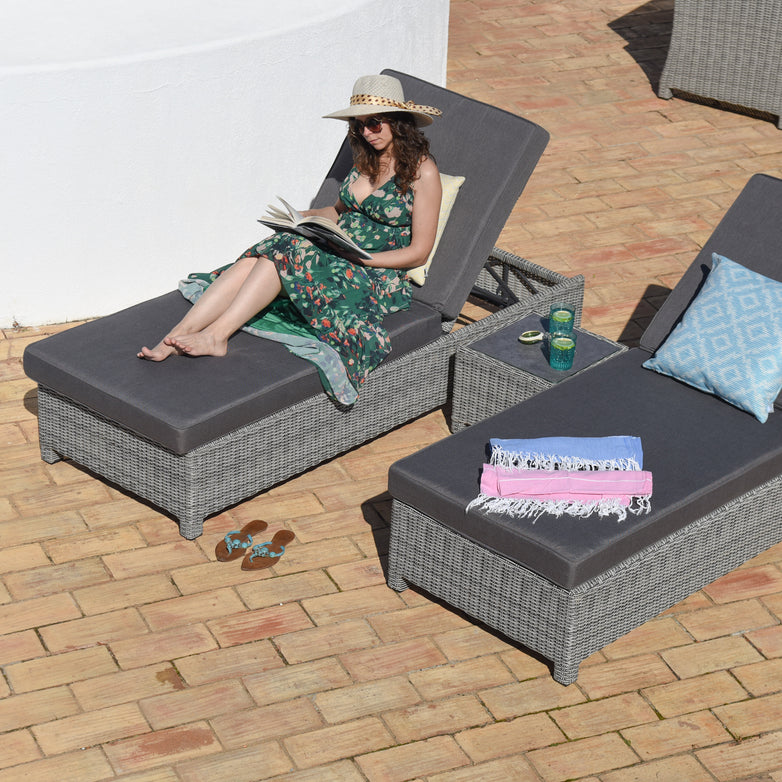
509,486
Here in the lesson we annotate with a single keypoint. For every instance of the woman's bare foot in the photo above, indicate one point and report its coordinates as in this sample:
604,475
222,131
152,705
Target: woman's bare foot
162,350
202,343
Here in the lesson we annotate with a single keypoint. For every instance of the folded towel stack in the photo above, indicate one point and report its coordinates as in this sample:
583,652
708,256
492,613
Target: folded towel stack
577,476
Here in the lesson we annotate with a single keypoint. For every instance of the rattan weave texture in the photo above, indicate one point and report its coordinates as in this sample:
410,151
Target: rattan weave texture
728,51
567,626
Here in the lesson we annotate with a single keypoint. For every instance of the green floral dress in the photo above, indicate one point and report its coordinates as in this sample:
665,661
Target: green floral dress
332,312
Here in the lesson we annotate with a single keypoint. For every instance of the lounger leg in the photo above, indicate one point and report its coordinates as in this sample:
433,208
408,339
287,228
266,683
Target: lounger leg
397,583
191,527
394,580
565,672
49,455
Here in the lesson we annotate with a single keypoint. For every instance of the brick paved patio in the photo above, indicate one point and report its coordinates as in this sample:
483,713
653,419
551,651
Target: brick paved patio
128,652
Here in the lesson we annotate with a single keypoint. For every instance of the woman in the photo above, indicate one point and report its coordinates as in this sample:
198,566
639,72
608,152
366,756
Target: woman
322,306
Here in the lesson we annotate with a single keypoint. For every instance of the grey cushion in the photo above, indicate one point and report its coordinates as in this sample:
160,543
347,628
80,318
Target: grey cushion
496,152
701,451
182,403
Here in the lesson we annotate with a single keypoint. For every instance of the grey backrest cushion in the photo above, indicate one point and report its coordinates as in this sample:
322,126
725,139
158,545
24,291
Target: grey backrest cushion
495,151
750,233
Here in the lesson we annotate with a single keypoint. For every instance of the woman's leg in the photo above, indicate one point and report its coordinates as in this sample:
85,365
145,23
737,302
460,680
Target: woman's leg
213,302
259,289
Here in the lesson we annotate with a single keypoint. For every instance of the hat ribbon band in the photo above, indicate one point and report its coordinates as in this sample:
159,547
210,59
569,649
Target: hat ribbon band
375,100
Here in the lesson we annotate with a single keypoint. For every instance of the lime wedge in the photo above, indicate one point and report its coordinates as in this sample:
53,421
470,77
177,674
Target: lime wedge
563,343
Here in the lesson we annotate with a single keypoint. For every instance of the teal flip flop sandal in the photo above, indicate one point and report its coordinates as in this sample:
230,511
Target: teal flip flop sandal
236,543
264,555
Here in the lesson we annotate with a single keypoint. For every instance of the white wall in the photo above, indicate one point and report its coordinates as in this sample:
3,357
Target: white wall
141,139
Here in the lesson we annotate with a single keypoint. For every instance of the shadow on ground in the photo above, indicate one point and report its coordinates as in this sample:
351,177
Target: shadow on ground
647,30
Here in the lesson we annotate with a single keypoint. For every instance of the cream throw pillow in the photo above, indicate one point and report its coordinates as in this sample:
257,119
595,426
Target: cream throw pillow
451,185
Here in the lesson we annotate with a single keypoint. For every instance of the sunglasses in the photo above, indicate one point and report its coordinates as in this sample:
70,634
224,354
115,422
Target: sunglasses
372,124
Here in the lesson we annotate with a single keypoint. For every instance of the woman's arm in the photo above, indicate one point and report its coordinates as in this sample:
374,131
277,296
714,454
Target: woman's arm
426,210
331,212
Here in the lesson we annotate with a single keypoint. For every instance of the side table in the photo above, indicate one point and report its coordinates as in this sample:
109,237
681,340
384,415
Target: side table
497,372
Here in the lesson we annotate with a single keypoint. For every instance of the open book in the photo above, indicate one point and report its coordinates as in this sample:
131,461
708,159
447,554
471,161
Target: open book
317,229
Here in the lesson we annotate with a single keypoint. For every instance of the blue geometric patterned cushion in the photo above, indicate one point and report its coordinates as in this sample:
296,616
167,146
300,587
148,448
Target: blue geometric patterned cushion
729,342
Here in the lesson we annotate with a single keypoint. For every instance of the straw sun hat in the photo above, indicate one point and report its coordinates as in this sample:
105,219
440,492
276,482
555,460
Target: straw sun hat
383,94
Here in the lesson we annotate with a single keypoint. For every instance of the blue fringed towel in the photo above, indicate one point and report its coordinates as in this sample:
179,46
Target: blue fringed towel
619,452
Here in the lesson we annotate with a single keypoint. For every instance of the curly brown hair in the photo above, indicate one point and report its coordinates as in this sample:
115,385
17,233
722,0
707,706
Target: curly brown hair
411,147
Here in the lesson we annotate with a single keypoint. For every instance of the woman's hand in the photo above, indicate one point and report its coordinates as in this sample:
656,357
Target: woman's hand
329,212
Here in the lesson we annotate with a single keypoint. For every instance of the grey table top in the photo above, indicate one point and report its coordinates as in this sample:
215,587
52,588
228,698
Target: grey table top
504,345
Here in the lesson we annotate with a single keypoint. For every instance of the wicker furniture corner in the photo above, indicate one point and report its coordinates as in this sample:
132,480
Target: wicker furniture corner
727,51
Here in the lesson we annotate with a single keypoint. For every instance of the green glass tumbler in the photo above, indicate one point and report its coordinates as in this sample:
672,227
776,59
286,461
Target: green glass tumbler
561,318
561,350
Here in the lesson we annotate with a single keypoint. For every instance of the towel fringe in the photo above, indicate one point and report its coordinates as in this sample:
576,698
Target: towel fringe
514,460
525,508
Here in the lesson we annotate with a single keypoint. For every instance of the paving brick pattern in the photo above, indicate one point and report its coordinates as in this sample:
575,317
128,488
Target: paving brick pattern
129,653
